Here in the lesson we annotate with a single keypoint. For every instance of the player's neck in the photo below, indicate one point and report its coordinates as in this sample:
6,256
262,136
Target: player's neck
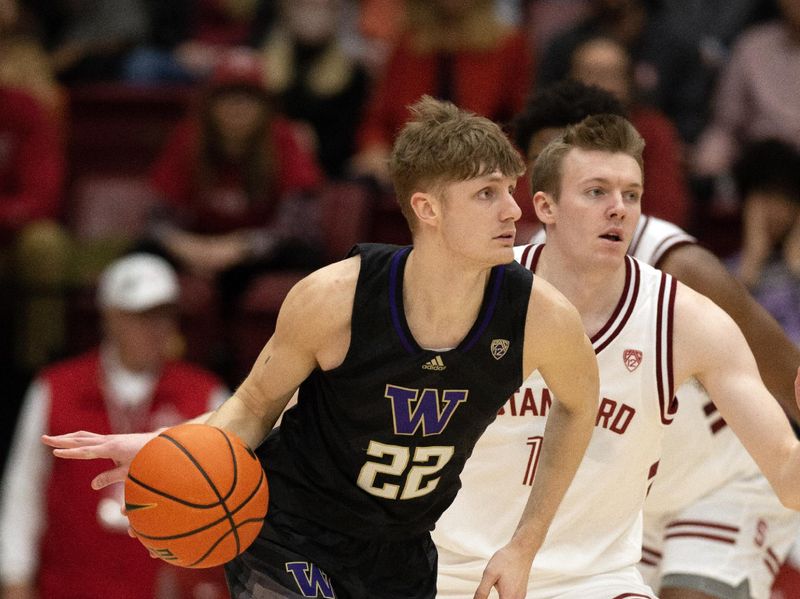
441,303
593,290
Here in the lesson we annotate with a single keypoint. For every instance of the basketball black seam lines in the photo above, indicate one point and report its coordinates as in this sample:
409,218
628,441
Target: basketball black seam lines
191,458
235,480
234,529
189,533
211,484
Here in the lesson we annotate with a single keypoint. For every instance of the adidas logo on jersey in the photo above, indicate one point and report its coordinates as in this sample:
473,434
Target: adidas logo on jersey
435,364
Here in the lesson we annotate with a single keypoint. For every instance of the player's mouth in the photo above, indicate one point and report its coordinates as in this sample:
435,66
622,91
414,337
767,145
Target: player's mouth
507,236
614,235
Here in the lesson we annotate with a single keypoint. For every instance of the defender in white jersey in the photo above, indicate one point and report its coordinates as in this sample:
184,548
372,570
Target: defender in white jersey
711,520
633,349
689,551
589,184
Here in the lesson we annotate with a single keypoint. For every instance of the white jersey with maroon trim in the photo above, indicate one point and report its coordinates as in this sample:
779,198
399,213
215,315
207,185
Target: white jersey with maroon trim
654,238
700,451
598,525
710,512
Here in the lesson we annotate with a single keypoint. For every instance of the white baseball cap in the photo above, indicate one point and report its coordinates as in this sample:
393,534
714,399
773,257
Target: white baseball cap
138,282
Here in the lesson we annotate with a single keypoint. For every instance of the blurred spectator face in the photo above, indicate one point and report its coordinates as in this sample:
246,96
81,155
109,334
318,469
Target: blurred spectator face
791,13
604,63
313,22
144,340
238,113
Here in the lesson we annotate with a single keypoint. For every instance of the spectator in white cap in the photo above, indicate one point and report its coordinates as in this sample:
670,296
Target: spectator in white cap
52,524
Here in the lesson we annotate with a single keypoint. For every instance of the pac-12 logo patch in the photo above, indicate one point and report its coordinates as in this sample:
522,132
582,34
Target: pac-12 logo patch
499,348
632,358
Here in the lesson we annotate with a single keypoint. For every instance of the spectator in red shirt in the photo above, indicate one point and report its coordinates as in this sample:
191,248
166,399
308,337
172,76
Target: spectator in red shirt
52,524
604,62
31,163
238,183
33,246
455,50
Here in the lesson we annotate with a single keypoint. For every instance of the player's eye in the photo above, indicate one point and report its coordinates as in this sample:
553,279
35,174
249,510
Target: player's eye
633,196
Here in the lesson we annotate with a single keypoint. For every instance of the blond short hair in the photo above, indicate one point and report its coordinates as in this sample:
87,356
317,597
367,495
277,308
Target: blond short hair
443,144
604,132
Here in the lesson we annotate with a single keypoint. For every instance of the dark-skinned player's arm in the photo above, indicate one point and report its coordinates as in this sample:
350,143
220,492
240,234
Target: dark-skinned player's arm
777,357
555,345
710,347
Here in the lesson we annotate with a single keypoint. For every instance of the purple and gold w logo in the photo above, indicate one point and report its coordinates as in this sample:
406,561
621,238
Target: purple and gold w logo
412,409
311,581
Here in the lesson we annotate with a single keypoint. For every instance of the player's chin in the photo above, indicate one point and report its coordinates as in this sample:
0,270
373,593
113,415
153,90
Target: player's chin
503,253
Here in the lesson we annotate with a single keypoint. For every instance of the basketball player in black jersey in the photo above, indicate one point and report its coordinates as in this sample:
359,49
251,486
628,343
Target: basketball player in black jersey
402,357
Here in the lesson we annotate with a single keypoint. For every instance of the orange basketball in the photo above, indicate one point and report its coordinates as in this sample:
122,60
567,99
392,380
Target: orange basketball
196,496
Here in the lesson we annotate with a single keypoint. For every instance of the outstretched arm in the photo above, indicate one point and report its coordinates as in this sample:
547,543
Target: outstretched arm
312,330
710,347
777,357
556,345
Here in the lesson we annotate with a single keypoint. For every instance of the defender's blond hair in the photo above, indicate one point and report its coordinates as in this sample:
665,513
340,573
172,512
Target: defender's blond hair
605,132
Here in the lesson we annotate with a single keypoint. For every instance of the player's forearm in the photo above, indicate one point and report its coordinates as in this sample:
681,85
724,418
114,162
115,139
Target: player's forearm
777,357
788,486
566,437
758,421
246,415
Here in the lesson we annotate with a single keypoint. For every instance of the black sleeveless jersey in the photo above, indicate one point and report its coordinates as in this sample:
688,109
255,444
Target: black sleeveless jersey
375,446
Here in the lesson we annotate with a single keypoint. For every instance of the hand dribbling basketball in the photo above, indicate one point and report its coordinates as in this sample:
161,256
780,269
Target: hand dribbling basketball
196,496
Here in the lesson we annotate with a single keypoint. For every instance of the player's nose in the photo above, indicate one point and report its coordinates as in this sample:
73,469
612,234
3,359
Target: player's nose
617,206
511,209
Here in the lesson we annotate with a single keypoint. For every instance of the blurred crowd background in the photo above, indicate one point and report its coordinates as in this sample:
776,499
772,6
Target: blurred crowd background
245,141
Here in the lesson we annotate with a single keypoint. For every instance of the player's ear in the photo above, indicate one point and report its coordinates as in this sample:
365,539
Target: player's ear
426,207
545,206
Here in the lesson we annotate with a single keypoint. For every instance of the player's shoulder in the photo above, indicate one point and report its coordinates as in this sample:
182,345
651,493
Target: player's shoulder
696,310
324,296
655,237
327,283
